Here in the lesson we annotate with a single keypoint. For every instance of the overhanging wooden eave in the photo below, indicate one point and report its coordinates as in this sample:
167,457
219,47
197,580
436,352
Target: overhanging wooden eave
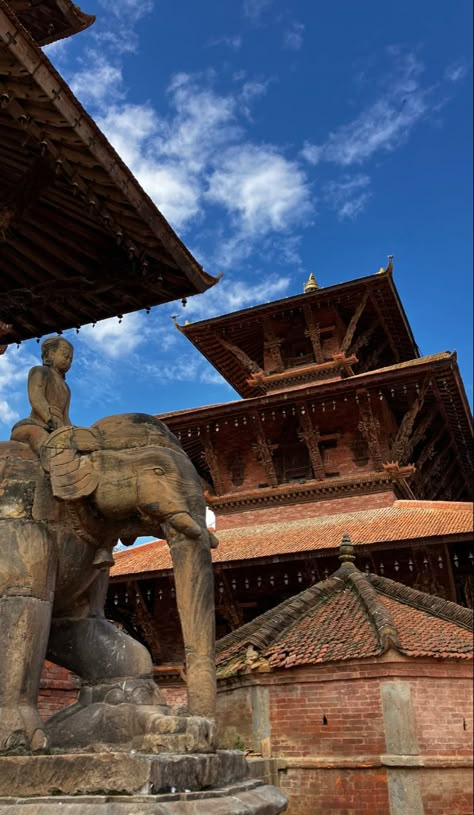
119,238
50,20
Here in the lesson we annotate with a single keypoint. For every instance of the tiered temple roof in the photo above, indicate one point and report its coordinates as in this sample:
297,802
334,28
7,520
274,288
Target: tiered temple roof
425,395
333,324
400,525
348,616
79,238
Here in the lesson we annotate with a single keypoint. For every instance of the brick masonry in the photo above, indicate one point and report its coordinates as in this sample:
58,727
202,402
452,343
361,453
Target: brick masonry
354,735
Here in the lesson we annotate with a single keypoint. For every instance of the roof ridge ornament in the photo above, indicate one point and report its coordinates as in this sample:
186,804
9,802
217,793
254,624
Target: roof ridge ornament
346,549
311,284
389,268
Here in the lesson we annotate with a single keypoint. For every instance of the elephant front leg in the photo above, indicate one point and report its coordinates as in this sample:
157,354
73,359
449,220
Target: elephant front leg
25,614
194,581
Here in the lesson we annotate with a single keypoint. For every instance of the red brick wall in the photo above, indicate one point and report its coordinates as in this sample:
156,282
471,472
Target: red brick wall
327,718
310,509
338,767
446,725
447,793
336,792
58,688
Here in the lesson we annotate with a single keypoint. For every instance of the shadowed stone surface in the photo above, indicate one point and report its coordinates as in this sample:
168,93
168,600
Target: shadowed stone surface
246,798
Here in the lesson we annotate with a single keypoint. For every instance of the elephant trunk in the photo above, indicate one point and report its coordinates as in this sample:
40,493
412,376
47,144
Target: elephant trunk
194,580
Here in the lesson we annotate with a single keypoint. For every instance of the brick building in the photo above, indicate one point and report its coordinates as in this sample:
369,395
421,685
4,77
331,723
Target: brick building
361,687
342,426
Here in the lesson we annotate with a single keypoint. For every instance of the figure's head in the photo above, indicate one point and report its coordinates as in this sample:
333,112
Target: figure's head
57,353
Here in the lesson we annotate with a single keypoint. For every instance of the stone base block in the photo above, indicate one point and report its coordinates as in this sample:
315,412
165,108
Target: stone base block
119,773
244,798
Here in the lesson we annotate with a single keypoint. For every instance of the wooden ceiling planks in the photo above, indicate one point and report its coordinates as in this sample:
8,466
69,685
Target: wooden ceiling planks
70,210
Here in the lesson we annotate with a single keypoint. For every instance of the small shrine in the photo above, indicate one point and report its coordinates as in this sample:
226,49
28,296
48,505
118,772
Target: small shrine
360,688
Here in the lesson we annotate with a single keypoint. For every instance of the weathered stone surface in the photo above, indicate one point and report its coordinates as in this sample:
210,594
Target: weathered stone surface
248,798
92,773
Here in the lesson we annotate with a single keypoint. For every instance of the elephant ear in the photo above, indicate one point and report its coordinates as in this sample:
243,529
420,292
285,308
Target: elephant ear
72,474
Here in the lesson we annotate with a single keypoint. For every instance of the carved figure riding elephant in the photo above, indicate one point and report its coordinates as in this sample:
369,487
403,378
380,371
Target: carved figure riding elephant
60,516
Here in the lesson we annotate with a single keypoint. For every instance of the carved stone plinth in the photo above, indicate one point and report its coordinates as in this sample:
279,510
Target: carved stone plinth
132,784
118,773
246,798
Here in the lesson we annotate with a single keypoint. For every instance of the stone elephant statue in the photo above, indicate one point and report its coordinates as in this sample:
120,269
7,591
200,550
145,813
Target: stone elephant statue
60,516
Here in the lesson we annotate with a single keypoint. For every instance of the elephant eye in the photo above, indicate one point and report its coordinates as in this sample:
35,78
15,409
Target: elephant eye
158,471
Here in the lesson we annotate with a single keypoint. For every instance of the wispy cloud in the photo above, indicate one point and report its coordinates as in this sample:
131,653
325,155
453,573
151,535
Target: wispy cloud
255,8
348,196
234,42
456,71
385,124
293,36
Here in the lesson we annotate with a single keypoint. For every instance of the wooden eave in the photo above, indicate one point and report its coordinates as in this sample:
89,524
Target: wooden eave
384,301
79,238
50,20
441,370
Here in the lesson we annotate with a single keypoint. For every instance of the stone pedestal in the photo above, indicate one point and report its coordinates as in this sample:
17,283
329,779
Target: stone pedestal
134,784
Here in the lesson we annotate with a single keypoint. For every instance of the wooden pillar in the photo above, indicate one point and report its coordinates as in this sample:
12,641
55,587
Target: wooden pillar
369,427
312,331
311,436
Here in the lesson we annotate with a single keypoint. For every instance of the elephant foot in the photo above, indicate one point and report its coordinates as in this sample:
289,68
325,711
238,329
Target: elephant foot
21,730
128,715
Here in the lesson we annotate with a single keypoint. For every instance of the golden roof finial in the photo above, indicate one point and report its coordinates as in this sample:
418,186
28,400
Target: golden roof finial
389,266
311,285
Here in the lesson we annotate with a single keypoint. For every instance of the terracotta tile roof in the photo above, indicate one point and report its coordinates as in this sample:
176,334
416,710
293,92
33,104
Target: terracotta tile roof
403,521
349,616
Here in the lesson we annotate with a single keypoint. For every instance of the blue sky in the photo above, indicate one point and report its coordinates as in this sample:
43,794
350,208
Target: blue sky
279,139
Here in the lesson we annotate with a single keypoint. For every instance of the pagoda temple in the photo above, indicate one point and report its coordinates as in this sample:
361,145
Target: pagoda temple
342,427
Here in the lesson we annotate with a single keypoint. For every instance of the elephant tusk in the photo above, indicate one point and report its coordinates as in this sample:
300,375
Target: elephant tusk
213,541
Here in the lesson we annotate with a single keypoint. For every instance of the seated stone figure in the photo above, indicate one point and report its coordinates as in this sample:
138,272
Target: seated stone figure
48,393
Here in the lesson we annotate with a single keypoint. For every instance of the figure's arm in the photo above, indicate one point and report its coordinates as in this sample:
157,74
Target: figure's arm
37,393
67,420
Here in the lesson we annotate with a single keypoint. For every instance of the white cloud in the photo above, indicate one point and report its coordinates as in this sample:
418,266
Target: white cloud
312,153
384,125
293,36
255,8
348,196
233,42
262,189
233,295
14,366
7,414
99,81
130,11
455,72
116,339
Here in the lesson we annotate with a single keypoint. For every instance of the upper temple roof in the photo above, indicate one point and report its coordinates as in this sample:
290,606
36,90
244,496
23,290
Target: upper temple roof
351,319
349,616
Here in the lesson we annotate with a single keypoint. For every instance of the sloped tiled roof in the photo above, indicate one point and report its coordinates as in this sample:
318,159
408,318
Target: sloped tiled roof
349,616
403,521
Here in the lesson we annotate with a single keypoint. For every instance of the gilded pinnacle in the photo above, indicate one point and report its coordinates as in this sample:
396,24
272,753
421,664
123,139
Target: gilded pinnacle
311,285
